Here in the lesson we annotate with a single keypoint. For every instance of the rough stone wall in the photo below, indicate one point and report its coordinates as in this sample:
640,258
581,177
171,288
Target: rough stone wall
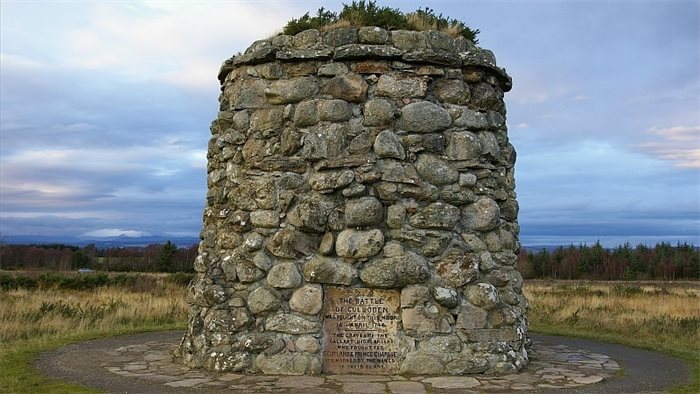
360,158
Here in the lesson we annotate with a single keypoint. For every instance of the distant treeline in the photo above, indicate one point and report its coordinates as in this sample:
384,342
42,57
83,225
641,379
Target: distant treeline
661,262
152,258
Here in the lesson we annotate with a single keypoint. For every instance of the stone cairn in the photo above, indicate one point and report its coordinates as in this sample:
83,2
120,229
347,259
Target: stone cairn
359,158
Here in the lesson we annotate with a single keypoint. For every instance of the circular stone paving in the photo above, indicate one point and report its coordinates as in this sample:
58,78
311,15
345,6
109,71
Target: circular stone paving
551,367
143,363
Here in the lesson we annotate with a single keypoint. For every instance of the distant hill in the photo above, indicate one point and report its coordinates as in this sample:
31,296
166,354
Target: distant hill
124,241
102,242
186,242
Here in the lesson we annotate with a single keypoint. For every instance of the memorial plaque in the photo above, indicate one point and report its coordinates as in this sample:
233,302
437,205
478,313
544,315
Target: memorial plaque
360,331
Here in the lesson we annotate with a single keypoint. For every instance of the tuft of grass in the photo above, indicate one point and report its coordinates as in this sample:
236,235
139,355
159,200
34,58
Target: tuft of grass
180,278
623,290
425,19
657,316
322,18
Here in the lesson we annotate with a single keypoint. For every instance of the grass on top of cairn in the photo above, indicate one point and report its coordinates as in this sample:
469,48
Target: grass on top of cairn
662,316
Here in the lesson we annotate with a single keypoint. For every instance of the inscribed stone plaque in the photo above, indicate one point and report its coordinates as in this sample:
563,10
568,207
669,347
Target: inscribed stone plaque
360,327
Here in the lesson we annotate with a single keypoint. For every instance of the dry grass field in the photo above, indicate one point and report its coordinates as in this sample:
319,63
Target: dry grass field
32,321
663,316
33,315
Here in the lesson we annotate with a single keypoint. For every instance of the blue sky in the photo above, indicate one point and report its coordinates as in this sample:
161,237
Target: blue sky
105,109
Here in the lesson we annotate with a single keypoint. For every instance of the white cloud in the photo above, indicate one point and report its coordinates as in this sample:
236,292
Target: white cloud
196,75
79,127
14,61
678,144
533,96
522,125
63,214
179,42
197,158
536,88
678,133
115,232
67,178
104,158
182,43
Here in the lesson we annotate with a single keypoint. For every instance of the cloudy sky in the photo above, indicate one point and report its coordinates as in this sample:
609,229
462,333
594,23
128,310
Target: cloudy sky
105,109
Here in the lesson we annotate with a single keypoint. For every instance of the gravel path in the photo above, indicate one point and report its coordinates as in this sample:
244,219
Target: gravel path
644,371
141,363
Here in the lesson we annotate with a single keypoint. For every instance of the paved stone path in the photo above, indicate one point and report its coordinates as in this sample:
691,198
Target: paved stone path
143,363
552,366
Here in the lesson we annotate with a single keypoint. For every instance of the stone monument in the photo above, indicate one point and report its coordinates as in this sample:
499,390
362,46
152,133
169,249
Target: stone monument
361,214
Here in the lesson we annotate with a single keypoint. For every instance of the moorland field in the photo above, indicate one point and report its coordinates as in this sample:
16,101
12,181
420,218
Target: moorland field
44,311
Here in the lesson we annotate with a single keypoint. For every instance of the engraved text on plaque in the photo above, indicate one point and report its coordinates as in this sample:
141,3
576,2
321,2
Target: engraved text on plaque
360,327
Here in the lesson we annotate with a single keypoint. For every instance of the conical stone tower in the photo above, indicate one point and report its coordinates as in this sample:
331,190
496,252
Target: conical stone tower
361,214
